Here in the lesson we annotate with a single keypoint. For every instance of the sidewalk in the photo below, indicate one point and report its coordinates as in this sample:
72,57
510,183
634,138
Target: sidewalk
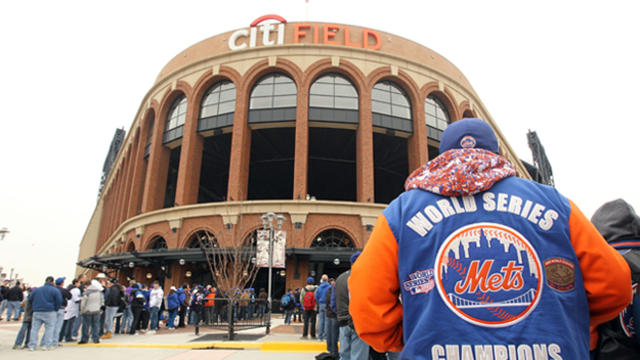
282,339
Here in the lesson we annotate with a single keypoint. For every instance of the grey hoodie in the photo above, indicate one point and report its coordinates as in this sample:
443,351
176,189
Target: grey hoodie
92,299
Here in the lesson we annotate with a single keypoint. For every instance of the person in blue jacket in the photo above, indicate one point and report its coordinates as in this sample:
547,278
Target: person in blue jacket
45,302
182,311
173,303
321,294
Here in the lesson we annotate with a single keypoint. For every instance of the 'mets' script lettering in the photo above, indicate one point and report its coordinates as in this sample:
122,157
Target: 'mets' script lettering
509,278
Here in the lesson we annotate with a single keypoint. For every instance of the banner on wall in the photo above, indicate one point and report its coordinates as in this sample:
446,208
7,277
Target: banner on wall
279,248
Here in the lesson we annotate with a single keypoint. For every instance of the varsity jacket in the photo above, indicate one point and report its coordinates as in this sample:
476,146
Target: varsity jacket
619,339
486,266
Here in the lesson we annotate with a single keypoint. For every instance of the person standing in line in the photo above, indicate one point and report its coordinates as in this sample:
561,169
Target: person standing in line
182,310
24,334
173,303
66,296
262,302
76,325
287,304
308,300
321,293
113,298
137,308
619,339
14,298
155,301
505,264
351,346
90,304
4,289
332,321
45,302
71,312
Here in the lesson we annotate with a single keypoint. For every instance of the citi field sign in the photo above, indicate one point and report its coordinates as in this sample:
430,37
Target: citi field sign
263,33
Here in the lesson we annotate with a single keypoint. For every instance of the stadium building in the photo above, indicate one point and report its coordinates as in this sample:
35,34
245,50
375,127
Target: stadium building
318,122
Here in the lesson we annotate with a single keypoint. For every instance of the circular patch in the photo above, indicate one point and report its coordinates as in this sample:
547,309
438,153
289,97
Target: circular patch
489,275
560,274
468,142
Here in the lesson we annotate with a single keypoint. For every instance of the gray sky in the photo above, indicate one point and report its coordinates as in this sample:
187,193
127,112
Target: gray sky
74,71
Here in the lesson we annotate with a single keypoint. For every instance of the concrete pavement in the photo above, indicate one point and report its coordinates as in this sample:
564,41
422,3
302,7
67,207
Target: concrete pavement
182,344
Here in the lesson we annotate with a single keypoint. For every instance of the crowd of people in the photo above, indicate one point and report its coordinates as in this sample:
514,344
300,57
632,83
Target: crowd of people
99,308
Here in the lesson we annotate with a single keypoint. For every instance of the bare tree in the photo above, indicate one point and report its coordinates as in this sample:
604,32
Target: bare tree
232,265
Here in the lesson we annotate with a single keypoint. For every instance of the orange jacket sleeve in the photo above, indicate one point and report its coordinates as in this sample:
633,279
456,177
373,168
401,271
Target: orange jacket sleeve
374,291
607,277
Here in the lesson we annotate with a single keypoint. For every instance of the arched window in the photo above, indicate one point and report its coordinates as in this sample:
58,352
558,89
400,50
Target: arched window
273,99
333,98
202,238
158,243
468,114
333,238
217,106
174,124
147,146
390,107
437,117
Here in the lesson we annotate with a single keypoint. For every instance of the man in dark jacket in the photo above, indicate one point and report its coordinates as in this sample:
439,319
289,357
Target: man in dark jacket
351,346
45,302
620,226
332,321
14,298
113,299
22,339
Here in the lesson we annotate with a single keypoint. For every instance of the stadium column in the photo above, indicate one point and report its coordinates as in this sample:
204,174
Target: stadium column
156,177
364,150
418,146
136,173
190,158
301,157
240,149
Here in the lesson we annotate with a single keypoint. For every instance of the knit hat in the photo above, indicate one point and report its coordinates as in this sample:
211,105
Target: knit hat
467,134
310,280
355,256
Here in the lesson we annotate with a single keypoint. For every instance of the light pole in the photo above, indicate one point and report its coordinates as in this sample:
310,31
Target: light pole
267,222
3,232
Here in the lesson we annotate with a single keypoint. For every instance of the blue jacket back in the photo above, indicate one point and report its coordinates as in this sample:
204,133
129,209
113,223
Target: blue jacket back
321,293
46,298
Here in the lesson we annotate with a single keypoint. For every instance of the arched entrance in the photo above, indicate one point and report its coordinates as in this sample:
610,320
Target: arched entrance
331,247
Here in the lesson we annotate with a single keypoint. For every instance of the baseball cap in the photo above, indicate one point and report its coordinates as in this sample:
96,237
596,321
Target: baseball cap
173,288
355,256
101,276
60,280
470,133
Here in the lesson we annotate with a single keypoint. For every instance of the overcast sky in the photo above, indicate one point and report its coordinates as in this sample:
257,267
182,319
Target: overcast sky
74,71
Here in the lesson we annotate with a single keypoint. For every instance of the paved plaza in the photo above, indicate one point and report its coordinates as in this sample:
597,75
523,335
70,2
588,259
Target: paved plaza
282,343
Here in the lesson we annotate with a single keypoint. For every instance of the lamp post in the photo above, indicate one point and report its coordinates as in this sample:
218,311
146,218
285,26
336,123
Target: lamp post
267,222
3,232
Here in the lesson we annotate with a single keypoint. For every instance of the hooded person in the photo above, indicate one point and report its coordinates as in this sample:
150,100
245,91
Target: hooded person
90,304
472,261
617,221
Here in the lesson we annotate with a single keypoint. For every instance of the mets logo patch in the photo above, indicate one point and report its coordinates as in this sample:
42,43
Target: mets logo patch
560,274
420,282
468,142
489,275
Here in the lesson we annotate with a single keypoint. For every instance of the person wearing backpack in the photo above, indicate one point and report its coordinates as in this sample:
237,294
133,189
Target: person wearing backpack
308,300
287,304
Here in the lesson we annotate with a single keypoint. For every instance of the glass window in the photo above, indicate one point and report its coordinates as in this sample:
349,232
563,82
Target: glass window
436,113
333,91
177,113
388,98
273,91
219,99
